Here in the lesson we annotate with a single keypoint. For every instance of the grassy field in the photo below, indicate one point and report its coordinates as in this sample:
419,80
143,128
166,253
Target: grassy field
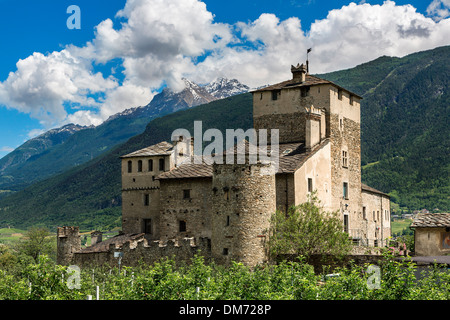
399,225
10,235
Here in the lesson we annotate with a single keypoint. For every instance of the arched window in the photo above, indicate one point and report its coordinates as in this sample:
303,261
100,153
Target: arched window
140,166
130,166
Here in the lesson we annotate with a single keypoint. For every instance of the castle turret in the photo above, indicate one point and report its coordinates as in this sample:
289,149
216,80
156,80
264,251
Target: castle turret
68,242
243,201
299,73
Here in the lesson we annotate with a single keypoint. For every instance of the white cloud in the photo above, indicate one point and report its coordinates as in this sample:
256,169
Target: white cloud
160,42
42,84
124,97
6,149
348,36
439,9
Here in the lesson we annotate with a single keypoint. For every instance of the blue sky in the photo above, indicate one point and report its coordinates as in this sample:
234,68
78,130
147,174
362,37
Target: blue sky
51,75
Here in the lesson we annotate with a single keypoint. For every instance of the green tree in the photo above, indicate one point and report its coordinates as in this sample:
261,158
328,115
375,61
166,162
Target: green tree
307,230
36,241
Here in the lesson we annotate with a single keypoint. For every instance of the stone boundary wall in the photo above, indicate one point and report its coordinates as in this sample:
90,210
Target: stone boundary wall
148,252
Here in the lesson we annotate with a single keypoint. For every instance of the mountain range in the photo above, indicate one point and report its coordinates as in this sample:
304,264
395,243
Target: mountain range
404,136
62,148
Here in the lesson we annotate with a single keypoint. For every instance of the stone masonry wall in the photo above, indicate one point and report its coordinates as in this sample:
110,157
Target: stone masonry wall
194,208
377,218
291,126
288,112
68,242
242,205
148,252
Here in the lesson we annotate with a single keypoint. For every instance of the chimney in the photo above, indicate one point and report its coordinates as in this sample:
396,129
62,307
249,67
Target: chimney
299,73
313,132
184,148
96,237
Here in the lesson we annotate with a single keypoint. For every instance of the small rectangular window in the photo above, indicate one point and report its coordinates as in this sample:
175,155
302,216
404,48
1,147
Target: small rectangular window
148,226
345,190
225,251
344,159
304,91
340,94
275,94
186,194
130,166
150,165
351,99
161,164
228,221
146,199
140,166
364,213
310,185
182,225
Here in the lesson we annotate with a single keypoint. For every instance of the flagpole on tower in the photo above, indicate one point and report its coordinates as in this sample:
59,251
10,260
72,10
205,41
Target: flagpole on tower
307,61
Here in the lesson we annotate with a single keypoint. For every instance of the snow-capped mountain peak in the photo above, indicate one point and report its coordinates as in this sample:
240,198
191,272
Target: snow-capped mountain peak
223,88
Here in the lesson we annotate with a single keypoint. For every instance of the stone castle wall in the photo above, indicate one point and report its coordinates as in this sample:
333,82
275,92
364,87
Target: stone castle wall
288,112
68,242
185,201
148,252
243,201
376,218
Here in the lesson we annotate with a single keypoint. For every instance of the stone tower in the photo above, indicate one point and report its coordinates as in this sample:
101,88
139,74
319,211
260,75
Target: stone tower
307,109
244,199
68,242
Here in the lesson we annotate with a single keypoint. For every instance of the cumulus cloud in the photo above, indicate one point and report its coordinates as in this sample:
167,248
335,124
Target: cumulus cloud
43,84
158,42
348,36
439,9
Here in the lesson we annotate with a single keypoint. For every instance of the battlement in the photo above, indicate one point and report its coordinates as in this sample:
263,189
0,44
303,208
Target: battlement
64,232
139,249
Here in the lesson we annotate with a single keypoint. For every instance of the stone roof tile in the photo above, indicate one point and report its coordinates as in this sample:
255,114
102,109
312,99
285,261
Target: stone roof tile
160,149
365,187
309,81
432,220
291,157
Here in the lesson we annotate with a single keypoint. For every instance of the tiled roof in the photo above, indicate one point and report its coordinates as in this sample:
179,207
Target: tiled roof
309,81
191,170
161,149
291,157
118,240
365,187
431,220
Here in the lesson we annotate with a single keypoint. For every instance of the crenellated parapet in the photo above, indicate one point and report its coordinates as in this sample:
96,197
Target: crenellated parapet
138,249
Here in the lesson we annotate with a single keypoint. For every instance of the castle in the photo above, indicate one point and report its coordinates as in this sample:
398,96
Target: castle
176,207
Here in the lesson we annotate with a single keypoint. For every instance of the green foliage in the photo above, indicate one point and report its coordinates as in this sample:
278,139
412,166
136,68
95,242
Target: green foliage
36,242
307,230
164,280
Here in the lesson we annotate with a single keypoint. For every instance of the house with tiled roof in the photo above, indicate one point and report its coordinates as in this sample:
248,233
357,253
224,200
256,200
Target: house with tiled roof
431,234
170,192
